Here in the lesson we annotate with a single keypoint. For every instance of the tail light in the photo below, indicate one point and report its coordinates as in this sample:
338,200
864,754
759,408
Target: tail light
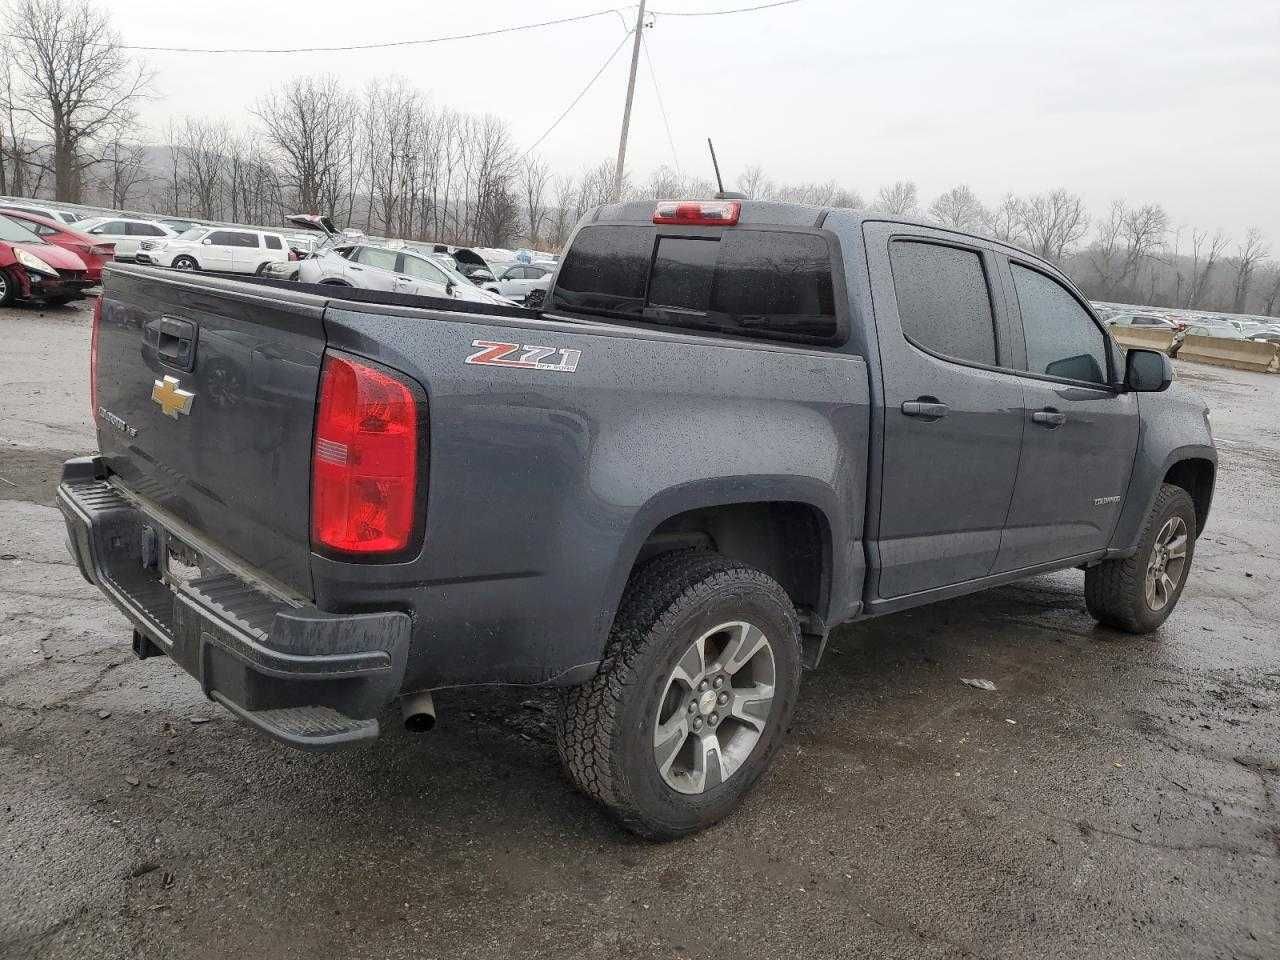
364,466
293,255
103,249
93,357
698,213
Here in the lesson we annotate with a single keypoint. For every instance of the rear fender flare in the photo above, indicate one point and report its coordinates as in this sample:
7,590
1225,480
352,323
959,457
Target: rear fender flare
724,491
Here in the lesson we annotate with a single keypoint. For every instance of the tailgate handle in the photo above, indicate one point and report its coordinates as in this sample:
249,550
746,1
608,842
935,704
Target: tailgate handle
173,340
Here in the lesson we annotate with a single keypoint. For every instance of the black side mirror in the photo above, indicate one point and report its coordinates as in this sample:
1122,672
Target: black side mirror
448,288
1147,371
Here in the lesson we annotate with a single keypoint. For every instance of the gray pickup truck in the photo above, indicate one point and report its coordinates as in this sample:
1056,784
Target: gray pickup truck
732,426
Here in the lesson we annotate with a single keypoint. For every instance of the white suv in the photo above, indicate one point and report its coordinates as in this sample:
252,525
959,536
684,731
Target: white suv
125,232
217,248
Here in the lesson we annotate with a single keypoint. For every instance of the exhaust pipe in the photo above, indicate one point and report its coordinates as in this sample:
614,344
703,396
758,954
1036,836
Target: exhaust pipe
419,712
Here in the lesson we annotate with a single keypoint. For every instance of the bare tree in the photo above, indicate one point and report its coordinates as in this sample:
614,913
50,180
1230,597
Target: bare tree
534,178
202,148
1272,300
754,184
76,82
1205,254
562,207
309,121
1052,223
1004,220
1142,230
960,208
123,168
21,171
898,199
1251,252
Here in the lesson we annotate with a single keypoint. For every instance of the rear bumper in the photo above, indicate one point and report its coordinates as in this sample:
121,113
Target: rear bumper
306,677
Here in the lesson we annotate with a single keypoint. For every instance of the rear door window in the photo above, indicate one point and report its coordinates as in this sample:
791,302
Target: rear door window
377,257
944,302
760,283
273,242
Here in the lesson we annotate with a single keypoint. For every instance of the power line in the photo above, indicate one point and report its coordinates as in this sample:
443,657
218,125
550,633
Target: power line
590,83
721,13
383,45
653,75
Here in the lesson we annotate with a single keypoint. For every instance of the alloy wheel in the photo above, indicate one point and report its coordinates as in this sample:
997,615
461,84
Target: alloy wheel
715,707
1167,563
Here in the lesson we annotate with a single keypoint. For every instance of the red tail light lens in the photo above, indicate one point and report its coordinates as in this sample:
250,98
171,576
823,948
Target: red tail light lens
93,358
364,466
103,250
698,213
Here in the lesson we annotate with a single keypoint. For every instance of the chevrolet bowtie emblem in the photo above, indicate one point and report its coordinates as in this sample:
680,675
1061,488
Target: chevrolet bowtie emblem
173,399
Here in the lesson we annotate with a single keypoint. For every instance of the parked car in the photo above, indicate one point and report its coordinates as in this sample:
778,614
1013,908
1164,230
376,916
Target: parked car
660,496
62,216
179,224
1141,320
126,233
31,269
93,252
394,270
519,279
217,248
1223,331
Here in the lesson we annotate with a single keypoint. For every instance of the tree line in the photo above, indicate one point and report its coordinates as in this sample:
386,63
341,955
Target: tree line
387,160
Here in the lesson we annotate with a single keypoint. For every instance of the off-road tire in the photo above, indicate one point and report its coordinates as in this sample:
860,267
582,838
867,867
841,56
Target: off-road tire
605,726
1113,590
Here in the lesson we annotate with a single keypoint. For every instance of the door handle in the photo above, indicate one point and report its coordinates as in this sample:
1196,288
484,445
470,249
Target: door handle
1049,417
925,408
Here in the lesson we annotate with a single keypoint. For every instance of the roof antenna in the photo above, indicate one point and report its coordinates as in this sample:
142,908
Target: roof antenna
722,194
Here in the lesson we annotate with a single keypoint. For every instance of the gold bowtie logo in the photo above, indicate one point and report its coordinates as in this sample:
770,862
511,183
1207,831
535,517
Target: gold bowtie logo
173,399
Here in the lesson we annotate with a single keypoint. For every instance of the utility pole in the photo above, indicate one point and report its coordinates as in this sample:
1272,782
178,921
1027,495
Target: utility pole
626,111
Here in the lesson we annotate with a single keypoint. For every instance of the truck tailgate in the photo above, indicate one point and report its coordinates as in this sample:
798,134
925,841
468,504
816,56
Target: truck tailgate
205,405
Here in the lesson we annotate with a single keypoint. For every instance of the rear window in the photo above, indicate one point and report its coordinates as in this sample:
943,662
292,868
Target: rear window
758,283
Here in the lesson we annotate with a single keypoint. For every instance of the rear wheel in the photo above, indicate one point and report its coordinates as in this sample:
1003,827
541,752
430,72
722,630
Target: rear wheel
1137,593
185,263
700,678
262,268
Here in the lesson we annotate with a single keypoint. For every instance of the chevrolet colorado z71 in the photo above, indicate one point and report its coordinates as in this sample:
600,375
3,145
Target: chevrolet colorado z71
732,426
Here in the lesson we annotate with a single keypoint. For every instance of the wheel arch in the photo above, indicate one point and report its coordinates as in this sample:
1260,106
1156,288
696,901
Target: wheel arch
1196,476
784,526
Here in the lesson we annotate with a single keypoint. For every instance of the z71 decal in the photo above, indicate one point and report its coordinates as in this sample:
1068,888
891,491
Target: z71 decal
525,357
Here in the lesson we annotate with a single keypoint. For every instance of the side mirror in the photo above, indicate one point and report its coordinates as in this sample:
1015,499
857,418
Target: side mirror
1147,371
448,288
206,241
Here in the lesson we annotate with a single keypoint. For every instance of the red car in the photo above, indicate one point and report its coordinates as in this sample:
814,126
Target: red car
93,252
31,269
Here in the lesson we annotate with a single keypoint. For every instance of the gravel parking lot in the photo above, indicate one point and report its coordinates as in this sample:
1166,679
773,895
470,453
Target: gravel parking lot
1114,797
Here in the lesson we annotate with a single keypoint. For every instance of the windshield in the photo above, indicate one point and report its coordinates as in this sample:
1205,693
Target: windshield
13,232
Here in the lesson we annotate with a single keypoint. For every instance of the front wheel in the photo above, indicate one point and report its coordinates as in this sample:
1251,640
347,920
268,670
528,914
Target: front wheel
1136,594
7,288
698,686
185,263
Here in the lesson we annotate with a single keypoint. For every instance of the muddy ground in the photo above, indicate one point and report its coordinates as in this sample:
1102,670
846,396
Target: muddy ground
1115,797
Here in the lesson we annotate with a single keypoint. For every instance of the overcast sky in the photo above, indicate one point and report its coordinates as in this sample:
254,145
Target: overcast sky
1174,101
